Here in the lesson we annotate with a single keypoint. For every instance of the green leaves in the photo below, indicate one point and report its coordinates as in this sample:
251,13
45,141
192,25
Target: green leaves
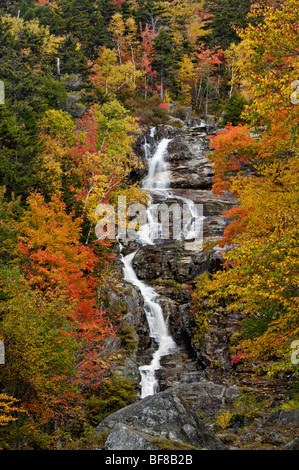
39,347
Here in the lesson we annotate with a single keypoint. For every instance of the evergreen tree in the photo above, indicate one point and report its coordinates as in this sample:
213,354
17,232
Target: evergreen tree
226,15
84,22
166,61
27,55
233,110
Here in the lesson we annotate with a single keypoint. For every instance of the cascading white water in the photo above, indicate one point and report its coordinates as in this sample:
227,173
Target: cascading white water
157,182
157,179
157,325
158,174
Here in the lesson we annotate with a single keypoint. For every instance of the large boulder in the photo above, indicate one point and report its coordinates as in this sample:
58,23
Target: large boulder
163,416
126,438
285,418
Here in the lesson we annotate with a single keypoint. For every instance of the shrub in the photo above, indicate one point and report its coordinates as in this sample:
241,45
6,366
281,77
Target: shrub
233,110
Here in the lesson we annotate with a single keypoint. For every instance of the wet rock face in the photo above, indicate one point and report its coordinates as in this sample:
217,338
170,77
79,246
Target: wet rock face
169,266
187,164
168,262
163,416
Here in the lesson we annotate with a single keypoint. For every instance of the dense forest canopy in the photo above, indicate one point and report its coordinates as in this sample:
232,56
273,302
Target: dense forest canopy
82,79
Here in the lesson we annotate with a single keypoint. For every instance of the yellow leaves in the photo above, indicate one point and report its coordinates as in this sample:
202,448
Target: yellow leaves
184,20
262,281
187,76
273,64
223,419
7,408
117,25
26,51
56,131
17,26
236,56
50,171
103,156
58,124
114,77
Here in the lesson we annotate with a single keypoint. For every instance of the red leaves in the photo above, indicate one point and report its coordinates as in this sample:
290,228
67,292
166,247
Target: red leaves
117,3
87,124
54,261
238,358
237,225
148,37
233,149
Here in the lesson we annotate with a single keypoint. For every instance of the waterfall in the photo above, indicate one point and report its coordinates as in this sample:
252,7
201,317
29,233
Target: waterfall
157,325
157,182
157,178
158,174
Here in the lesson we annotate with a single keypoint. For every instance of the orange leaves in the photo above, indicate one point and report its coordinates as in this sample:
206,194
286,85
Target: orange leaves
148,37
233,149
260,167
117,3
211,57
238,216
56,263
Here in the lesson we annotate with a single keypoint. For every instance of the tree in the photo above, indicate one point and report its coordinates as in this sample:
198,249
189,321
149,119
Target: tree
57,264
102,155
263,267
39,346
117,28
225,16
234,148
84,22
209,60
10,213
56,136
165,60
148,37
112,78
260,166
271,67
233,109
27,52
185,20
187,76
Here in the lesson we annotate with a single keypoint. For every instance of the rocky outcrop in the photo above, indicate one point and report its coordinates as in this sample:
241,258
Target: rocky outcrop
188,166
162,416
169,266
285,418
124,437
198,373
292,445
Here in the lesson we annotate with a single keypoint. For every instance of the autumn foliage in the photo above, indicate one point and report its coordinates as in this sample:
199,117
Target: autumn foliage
258,163
82,81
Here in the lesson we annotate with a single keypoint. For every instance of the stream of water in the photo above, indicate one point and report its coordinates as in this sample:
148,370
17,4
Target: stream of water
157,182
